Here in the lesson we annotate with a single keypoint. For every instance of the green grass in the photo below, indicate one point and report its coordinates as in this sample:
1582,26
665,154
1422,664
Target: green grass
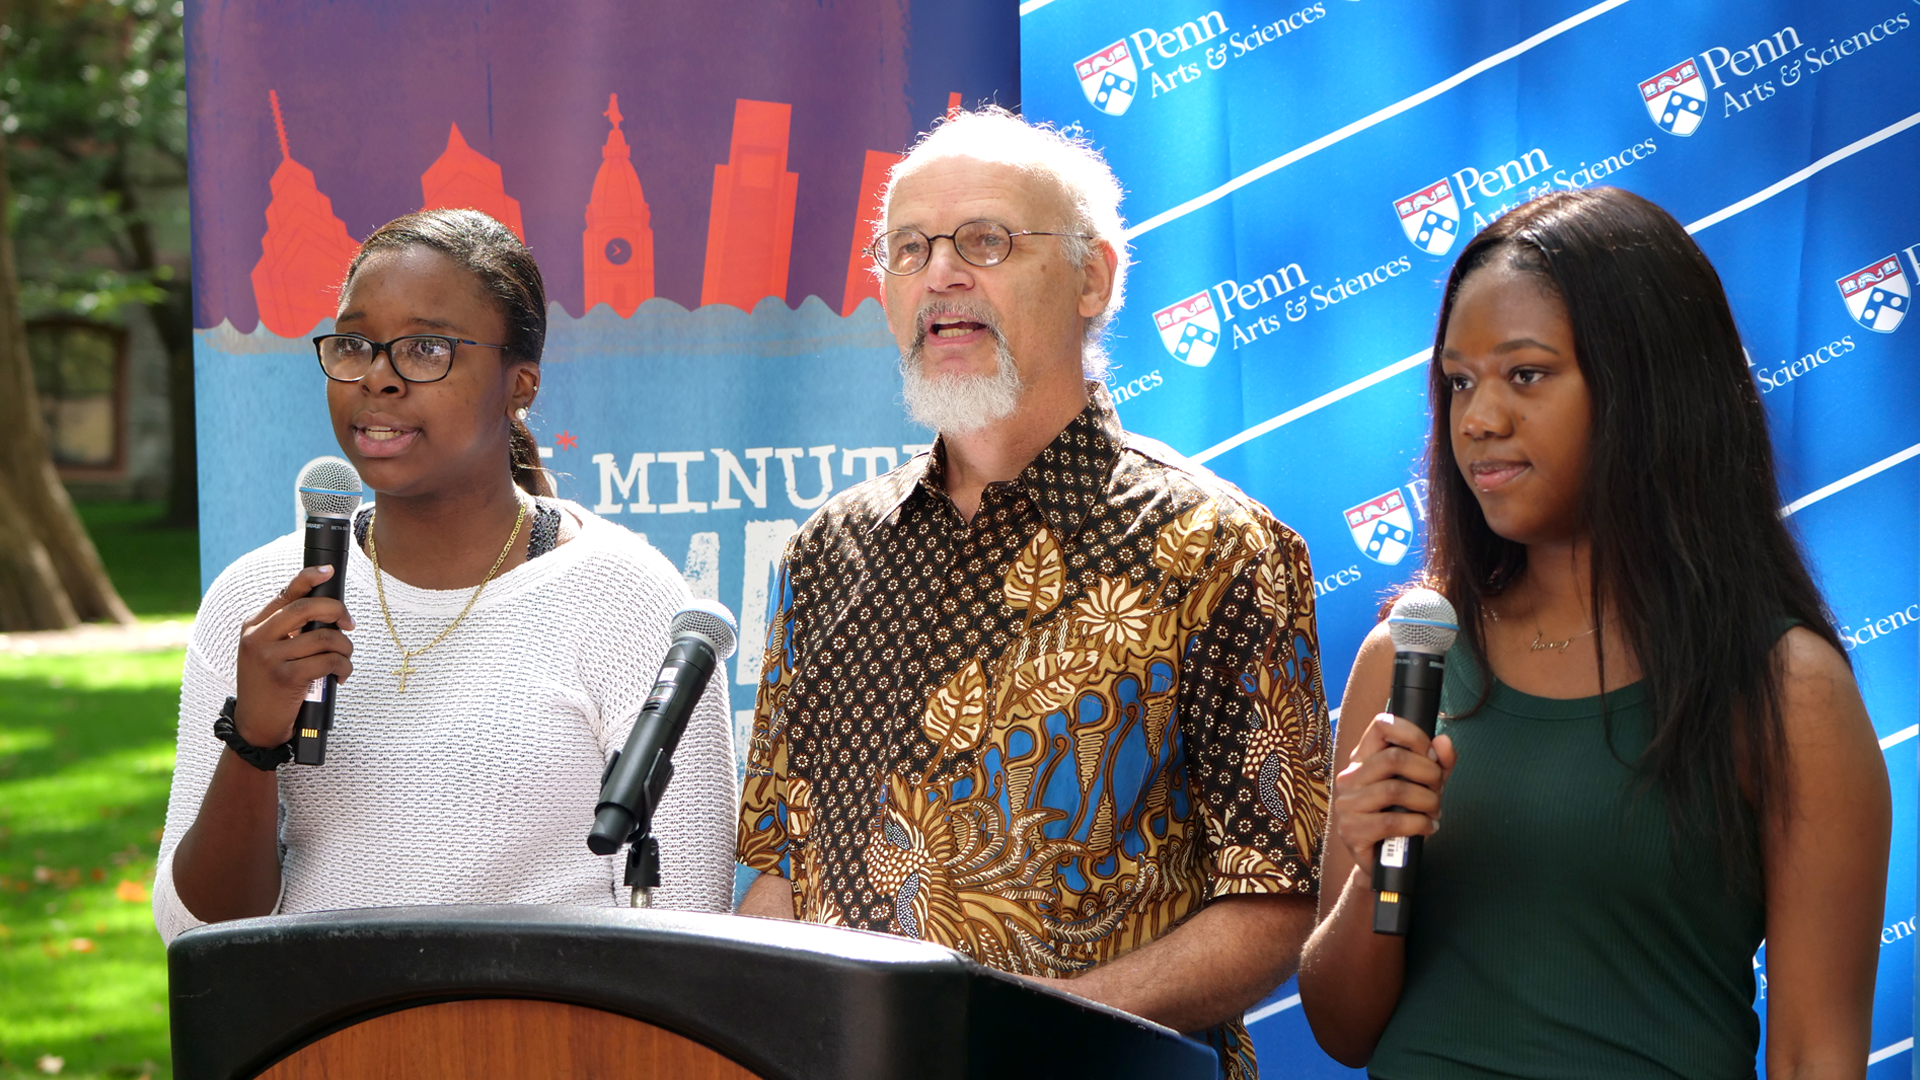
86,757
156,568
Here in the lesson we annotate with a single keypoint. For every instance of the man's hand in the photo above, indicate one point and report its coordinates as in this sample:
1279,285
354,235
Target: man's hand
769,897
1209,969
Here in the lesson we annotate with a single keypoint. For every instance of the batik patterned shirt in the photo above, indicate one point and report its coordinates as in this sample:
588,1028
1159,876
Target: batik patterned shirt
1047,736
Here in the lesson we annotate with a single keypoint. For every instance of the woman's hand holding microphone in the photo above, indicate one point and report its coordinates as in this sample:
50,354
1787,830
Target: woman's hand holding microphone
279,660
1390,787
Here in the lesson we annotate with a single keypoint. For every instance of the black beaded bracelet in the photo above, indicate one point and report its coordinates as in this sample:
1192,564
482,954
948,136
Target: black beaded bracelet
264,758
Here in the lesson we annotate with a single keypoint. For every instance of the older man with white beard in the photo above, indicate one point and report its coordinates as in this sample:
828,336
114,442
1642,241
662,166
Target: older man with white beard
1048,695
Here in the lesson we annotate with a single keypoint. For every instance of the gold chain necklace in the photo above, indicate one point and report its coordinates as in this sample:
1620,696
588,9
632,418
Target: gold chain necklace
406,655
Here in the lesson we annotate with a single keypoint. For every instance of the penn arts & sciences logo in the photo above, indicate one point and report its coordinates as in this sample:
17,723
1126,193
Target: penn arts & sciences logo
1752,75
1676,98
1190,329
1171,59
1877,295
1108,78
1382,527
1430,217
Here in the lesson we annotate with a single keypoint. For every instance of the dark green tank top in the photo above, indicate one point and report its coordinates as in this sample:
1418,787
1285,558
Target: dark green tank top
1555,933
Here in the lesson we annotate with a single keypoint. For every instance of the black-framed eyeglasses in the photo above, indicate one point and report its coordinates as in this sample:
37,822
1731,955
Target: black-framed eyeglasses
417,358
982,243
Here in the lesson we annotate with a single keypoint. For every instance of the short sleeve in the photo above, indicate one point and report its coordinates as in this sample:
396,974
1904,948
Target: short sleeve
1254,715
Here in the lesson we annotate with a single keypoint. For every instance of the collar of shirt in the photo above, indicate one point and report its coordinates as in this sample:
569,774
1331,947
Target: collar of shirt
1065,480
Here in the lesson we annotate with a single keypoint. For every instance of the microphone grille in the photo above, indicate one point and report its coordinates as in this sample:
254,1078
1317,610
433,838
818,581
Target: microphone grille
1422,621
711,620
329,487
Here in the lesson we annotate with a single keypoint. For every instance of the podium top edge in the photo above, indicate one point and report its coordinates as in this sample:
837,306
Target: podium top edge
468,920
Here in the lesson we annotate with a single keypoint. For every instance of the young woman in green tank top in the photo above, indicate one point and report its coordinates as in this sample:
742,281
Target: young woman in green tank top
1652,753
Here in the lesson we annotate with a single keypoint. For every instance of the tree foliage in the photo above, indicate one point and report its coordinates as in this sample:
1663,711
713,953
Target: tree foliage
93,101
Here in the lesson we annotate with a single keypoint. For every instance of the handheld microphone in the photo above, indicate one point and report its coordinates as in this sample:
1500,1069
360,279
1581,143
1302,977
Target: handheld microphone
703,634
1423,626
330,493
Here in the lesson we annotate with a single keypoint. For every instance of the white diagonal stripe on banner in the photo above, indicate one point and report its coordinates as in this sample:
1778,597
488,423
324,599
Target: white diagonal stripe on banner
1366,122
1032,6
1265,1011
1900,736
1849,480
1771,190
1886,1052
1315,405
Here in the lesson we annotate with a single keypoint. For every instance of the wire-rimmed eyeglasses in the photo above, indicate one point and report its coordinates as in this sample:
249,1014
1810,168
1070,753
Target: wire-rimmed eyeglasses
981,243
417,358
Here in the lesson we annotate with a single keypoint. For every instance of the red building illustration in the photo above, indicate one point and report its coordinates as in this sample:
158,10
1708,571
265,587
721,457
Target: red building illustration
861,282
617,247
306,249
750,230
463,178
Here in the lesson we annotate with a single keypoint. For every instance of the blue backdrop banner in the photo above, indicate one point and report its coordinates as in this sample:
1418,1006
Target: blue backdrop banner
1300,175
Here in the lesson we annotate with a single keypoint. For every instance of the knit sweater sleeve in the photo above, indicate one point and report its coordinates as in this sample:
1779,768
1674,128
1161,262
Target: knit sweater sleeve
205,683
619,660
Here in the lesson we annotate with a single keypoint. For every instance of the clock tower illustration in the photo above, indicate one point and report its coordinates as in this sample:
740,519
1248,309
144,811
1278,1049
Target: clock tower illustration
617,247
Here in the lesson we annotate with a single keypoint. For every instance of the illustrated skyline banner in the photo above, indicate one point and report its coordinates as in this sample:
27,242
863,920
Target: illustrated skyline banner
1300,176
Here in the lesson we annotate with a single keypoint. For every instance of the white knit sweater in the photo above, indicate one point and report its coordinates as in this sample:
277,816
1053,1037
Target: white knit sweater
478,784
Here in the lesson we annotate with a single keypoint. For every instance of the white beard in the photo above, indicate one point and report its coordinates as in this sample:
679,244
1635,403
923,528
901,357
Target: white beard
961,404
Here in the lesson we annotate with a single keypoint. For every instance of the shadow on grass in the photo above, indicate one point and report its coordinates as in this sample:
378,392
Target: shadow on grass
86,758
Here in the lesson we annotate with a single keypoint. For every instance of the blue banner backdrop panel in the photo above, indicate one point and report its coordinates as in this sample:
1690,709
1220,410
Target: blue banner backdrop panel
1301,174
695,181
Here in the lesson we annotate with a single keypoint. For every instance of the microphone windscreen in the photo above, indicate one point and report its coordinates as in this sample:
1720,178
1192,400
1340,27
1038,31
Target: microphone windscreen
711,620
329,487
1422,621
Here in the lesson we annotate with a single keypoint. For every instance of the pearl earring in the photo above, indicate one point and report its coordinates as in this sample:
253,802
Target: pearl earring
520,414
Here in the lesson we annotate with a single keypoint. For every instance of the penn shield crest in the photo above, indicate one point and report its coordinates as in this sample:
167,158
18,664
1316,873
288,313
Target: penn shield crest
1676,98
1108,78
1430,217
1190,329
1382,527
1877,294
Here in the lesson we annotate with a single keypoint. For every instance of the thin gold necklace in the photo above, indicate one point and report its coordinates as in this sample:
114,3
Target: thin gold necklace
406,655
1555,646
1548,646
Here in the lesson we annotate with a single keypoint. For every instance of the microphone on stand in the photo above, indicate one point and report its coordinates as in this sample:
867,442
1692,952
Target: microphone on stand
329,492
703,635
1423,627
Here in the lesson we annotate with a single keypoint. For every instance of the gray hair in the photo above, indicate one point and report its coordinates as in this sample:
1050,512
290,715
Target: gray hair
1065,159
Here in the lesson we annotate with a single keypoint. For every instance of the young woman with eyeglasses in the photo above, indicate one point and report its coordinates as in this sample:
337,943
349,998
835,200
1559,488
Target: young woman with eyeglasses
1652,754
495,643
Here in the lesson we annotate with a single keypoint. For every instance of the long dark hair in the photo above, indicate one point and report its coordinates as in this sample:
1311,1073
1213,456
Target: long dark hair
1691,560
490,252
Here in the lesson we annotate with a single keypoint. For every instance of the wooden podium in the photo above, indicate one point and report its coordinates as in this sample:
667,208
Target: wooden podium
518,993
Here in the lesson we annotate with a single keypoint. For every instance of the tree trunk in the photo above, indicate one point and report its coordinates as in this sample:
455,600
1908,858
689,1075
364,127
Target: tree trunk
47,553
30,594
